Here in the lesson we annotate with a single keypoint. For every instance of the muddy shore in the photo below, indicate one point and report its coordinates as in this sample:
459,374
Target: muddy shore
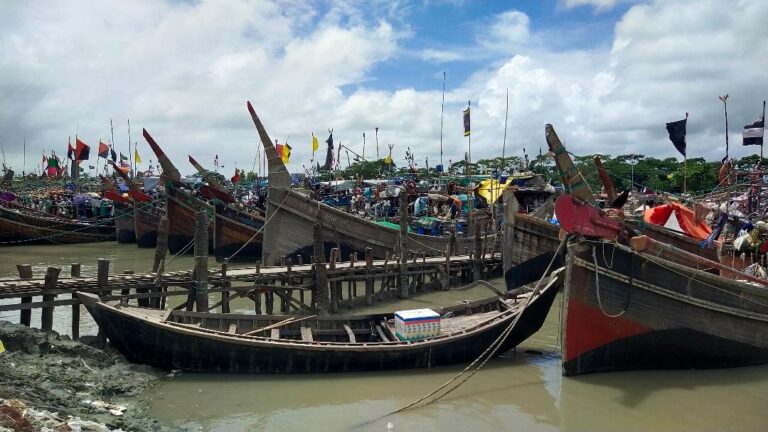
47,372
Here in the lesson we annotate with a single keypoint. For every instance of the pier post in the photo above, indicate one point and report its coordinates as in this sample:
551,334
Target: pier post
161,248
477,263
225,284
102,277
368,276
126,291
25,315
333,285
403,279
75,273
257,294
351,284
320,294
201,262
51,278
284,304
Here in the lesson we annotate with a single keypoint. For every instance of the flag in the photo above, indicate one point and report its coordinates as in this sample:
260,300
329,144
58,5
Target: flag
103,150
113,154
123,157
329,155
315,144
236,178
753,133
216,161
53,162
136,157
279,150
676,131
70,151
45,159
466,122
388,160
285,155
82,150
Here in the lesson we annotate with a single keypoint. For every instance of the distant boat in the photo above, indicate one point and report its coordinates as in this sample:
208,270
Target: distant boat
22,225
208,342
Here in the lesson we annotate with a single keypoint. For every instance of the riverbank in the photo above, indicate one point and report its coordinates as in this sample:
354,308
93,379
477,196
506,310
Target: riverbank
52,378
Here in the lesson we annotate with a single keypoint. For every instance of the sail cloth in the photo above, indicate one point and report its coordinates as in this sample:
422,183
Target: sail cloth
685,218
753,132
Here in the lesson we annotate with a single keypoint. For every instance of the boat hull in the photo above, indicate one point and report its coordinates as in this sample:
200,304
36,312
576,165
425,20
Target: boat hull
237,236
124,223
182,210
163,346
19,228
146,222
292,230
530,245
643,312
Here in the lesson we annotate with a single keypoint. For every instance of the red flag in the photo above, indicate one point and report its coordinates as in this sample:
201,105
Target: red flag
236,178
103,150
279,149
70,151
82,150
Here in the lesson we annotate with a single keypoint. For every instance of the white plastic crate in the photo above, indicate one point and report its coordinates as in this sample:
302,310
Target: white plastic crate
416,324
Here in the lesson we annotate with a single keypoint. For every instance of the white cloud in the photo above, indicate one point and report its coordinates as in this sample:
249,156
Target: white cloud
184,71
600,5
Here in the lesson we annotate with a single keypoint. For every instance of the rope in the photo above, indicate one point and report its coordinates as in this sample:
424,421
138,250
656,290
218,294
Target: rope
597,286
487,354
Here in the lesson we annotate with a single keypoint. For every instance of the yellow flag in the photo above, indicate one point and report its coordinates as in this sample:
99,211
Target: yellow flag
2,348
286,153
136,157
388,160
315,144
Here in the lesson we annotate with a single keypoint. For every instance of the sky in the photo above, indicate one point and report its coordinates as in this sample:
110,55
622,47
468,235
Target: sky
608,74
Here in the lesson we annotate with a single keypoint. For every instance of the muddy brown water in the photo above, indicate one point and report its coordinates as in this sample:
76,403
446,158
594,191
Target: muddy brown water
520,391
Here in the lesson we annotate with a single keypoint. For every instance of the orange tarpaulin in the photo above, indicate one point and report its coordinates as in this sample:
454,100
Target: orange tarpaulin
685,218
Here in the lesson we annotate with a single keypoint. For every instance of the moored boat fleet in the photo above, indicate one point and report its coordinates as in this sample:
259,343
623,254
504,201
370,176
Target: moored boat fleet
637,294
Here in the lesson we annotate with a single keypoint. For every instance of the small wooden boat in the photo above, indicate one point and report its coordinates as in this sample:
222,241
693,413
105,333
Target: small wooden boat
209,342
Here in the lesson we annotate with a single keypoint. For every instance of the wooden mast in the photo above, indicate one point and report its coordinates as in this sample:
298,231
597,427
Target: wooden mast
169,170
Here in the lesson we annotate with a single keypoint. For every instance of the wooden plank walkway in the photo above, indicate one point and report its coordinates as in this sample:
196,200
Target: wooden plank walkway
14,288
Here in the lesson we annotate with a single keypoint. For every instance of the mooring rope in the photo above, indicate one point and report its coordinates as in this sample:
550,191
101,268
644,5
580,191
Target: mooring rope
486,355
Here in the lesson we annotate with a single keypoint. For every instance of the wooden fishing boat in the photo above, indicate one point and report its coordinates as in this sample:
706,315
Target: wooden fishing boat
626,309
18,226
237,235
652,306
182,208
145,222
124,222
291,218
529,245
208,342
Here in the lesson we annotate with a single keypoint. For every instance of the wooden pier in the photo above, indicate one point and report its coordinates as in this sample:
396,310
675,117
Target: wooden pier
308,288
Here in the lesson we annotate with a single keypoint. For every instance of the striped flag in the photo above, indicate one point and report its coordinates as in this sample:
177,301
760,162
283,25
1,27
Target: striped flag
753,132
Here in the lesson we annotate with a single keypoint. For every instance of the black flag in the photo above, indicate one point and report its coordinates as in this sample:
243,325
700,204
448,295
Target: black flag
676,131
329,155
753,133
113,154
467,130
